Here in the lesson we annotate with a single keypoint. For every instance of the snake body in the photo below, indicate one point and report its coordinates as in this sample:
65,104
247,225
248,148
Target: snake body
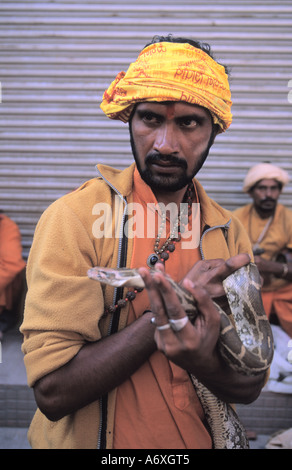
245,340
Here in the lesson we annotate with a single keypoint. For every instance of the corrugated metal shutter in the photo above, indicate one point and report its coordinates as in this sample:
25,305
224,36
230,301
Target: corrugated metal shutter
56,59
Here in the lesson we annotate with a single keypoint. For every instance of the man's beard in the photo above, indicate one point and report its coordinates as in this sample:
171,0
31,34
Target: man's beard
271,207
168,182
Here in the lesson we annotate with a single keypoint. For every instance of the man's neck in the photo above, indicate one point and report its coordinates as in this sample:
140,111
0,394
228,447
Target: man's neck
166,198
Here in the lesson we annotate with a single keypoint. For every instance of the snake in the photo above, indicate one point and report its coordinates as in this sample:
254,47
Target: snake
245,340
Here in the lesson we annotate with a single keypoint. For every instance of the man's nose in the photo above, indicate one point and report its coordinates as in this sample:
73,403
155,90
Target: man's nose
269,192
166,140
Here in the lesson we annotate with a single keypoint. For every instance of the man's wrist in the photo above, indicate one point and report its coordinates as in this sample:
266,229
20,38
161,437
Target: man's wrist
284,271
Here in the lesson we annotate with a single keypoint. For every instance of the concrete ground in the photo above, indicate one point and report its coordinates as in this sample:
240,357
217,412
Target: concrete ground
16,438
17,404
13,438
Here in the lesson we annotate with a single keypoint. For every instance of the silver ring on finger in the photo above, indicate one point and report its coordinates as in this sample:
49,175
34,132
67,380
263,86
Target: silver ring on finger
162,327
179,324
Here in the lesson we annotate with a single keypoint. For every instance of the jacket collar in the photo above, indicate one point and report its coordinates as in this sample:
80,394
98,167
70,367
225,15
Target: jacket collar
121,181
212,213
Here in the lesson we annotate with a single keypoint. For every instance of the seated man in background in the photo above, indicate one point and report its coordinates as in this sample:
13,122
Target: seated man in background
269,226
11,268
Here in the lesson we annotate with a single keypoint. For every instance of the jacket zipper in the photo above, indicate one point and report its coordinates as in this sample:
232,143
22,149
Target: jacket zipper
103,400
209,229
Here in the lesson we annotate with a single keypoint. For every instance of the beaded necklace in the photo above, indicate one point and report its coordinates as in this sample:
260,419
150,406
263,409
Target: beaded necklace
161,254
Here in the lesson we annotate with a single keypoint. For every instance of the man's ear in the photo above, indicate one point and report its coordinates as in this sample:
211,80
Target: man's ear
215,132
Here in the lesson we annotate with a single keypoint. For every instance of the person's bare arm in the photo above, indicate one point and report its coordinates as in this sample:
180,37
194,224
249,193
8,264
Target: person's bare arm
270,267
98,368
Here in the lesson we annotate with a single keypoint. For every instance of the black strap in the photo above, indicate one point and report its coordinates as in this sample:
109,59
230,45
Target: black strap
114,329
120,290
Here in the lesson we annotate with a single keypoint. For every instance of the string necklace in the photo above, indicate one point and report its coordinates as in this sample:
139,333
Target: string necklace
161,254
256,244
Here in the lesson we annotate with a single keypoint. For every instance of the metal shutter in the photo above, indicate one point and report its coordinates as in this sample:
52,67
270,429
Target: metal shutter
57,58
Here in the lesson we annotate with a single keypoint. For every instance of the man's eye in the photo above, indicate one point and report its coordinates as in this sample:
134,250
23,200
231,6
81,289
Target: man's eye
150,118
189,123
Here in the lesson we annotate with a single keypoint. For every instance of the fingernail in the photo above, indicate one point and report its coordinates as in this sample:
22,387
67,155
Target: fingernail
157,279
141,271
188,283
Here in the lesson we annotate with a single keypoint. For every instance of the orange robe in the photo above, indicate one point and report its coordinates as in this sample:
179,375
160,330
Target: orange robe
11,261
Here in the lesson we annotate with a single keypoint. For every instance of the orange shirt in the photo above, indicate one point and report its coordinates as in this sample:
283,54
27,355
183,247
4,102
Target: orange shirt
157,407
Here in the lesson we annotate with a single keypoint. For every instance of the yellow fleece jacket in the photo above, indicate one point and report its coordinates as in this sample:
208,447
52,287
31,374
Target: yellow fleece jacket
64,308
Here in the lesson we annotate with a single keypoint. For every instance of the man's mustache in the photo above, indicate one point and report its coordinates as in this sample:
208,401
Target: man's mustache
170,159
268,199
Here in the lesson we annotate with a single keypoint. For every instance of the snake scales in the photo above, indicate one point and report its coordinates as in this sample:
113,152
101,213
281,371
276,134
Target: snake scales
245,342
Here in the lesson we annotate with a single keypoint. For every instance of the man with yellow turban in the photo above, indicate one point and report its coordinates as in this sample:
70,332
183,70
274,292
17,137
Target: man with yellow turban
108,367
269,226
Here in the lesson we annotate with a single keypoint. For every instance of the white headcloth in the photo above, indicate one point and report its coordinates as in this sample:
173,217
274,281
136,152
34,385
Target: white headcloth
264,171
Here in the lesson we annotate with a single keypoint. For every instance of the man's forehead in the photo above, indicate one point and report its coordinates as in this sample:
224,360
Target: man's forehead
175,107
268,182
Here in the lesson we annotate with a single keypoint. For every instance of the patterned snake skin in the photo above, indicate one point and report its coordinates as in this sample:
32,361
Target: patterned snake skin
245,341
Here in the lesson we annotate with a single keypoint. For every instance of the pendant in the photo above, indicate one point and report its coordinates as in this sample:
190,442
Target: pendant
152,260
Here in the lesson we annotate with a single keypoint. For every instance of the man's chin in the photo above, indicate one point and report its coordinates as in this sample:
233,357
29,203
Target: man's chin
267,207
169,183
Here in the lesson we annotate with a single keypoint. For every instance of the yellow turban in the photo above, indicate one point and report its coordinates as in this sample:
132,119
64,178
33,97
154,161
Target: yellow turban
264,171
171,72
